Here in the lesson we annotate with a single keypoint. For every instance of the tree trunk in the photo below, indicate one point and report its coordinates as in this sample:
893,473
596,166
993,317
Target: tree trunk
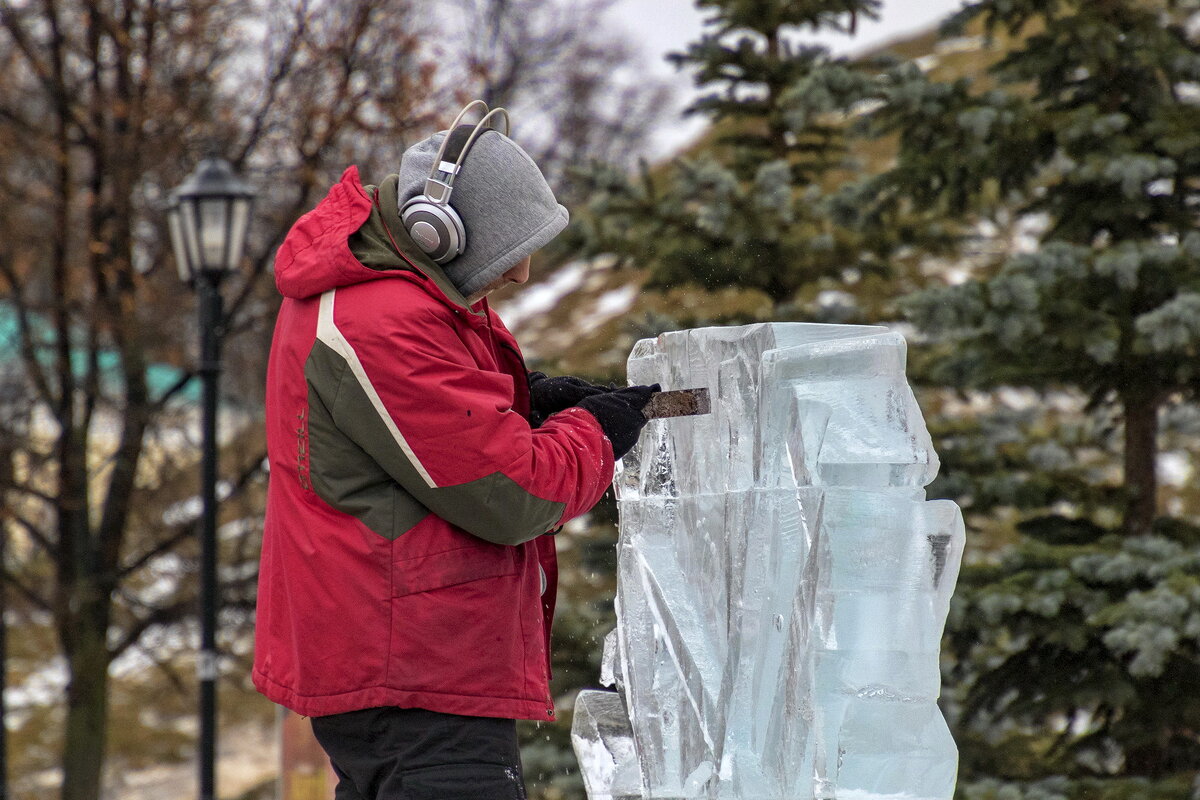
1141,457
777,129
6,480
87,699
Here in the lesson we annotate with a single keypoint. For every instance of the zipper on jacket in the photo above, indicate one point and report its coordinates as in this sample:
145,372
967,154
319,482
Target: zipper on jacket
521,360
514,351
544,578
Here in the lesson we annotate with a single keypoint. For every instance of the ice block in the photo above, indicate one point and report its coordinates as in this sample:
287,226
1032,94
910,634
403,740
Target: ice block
782,580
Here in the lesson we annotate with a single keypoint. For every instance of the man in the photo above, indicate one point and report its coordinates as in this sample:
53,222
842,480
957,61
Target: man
407,584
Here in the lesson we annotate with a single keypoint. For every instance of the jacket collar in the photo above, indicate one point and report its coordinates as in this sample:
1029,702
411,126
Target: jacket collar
383,243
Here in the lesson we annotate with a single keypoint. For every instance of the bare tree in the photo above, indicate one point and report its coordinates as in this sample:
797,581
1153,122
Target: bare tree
104,105
578,91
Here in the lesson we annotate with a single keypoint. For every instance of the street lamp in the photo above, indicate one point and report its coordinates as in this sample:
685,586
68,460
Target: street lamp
208,218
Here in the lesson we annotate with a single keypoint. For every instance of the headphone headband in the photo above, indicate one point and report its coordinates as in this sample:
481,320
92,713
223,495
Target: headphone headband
454,149
429,218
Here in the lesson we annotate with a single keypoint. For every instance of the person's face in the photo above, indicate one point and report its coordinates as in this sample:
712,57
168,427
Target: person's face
518,273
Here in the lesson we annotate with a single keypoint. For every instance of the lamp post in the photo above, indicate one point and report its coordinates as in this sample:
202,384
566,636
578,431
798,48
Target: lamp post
208,219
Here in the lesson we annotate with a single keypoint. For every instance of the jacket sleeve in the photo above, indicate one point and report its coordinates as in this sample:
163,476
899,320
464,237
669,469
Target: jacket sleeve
402,385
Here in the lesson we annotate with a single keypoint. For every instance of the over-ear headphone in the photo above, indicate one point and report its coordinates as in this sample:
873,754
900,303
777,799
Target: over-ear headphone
429,218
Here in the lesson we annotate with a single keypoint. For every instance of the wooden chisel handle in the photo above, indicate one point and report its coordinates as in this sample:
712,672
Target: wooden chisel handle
679,403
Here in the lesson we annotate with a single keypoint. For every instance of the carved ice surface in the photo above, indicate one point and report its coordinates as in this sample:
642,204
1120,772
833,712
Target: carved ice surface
782,581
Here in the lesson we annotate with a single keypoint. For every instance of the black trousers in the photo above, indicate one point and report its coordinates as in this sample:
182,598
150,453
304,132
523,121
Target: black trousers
414,754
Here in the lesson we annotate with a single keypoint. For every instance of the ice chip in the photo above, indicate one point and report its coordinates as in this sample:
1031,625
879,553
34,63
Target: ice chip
610,662
603,744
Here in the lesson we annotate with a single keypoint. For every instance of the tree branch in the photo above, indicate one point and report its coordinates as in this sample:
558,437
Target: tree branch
35,533
163,615
275,82
29,594
180,534
36,494
174,389
28,346
53,84
187,529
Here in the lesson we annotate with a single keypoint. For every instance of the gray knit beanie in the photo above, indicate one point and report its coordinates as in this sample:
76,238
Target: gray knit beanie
506,206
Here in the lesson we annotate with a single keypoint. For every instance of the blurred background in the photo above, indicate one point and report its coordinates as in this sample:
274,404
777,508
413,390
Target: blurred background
1013,184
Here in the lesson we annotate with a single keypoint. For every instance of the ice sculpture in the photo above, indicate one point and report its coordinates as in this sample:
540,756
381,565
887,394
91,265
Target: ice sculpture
782,581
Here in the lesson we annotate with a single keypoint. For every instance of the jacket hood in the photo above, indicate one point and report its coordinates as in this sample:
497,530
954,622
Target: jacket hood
507,209
347,239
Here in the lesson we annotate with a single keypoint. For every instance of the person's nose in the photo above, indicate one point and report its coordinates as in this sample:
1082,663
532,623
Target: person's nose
519,273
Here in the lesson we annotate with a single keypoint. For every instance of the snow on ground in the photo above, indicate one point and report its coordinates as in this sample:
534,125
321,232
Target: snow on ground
1175,468
960,44
579,298
39,688
541,297
607,306
859,794
1027,236
926,63
248,756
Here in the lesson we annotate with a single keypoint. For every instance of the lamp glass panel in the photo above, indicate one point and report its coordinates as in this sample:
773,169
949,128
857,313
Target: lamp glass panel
191,235
214,232
239,212
175,225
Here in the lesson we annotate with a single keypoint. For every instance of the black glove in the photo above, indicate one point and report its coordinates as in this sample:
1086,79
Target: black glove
619,413
550,395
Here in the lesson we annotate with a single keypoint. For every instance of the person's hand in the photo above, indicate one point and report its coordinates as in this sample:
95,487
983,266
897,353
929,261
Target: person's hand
550,395
619,413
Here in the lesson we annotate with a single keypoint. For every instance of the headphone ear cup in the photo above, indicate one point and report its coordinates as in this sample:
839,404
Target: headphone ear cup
435,227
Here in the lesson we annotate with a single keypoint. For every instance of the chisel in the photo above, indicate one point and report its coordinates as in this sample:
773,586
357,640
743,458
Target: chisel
679,403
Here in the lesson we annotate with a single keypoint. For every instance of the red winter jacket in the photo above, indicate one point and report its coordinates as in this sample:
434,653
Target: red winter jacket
403,558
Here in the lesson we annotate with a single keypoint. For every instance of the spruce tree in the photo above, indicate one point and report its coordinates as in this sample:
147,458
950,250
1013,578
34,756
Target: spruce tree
1074,650
1091,131
749,211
